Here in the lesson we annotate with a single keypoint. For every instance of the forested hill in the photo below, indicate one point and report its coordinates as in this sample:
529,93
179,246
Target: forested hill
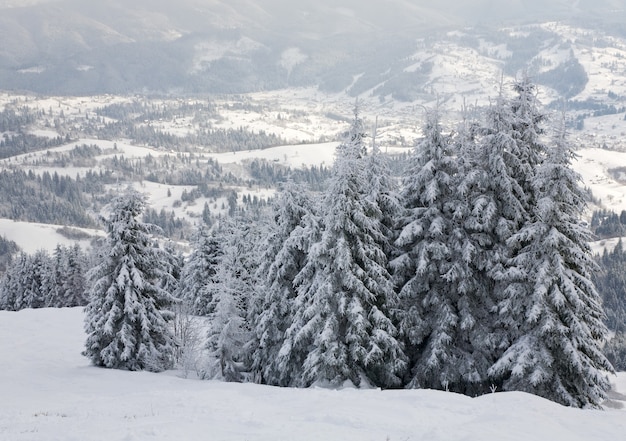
80,47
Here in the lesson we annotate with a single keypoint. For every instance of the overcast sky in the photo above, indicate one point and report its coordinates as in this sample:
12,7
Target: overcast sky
471,10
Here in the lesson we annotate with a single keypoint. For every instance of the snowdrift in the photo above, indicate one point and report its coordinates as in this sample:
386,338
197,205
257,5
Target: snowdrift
48,391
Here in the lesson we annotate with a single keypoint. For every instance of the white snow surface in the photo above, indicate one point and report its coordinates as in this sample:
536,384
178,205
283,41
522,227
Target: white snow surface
593,165
50,392
32,237
295,156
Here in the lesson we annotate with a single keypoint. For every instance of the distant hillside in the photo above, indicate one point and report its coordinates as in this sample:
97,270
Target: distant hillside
196,46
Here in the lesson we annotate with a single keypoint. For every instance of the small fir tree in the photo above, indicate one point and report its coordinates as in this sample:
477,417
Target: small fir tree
127,318
229,333
70,270
40,286
13,283
199,271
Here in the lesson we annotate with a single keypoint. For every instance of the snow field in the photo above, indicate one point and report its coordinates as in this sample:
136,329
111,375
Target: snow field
593,165
50,392
32,237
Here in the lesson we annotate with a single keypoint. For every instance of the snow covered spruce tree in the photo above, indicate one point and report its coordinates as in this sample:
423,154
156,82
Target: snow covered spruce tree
127,318
198,273
69,264
500,205
611,283
343,329
231,290
286,247
41,290
551,306
443,311
382,190
510,151
228,332
498,162
30,282
13,283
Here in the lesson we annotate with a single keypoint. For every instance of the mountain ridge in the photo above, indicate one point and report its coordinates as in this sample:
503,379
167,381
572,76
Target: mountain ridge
75,47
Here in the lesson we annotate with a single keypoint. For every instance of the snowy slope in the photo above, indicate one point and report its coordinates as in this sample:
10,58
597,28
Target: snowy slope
604,63
50,392
593,165
32,237
306,117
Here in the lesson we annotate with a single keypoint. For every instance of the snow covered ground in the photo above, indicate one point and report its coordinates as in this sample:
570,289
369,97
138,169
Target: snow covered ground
593,165
50,392
32,237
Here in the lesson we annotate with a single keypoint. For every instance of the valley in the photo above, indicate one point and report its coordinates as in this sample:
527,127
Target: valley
169,148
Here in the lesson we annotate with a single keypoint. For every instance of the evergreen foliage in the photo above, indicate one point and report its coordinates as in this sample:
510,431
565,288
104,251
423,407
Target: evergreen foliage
41,280
470,272
286,247
611,284
167,222
382,190
551,307
127,318
498,196
199,272
607,223
70,275
48,198
342,329
13,287
232,291
443,307
8,249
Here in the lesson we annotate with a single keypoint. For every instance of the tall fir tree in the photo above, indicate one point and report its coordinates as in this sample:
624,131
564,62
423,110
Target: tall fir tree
342,329
286,249
127,318
611,284
442,309
13,283
199,271
231,290
382,190
551,306
498,163
469,275
512,151
70,273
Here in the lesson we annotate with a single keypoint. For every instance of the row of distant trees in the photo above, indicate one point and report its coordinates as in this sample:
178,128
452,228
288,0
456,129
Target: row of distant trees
43,280
611,283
